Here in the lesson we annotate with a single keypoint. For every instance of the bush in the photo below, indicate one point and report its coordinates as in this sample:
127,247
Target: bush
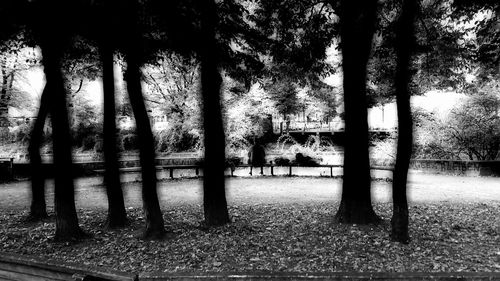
176,139
233,161
304,160
281,161
89,142
21,133
128,142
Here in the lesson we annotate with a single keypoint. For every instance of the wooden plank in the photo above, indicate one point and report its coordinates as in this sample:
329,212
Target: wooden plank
22,267
35,275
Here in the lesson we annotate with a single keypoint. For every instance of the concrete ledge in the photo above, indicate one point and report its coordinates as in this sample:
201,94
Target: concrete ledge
458,167
394,276
22,267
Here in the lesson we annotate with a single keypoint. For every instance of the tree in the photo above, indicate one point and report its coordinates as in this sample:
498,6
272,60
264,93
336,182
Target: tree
214,193
404,46
485,14
246,113
357,23
154,220
473,128
13,24
53,36
10,45
284,94
117,216
38,209
173,87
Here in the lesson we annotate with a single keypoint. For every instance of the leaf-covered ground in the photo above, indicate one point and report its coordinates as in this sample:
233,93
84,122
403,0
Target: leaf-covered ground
277,237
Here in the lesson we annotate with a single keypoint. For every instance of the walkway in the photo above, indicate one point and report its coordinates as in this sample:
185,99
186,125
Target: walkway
267,190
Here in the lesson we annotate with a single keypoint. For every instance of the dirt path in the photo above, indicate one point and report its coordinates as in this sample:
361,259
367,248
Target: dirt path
268,190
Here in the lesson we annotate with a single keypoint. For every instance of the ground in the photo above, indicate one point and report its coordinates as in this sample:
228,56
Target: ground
279,224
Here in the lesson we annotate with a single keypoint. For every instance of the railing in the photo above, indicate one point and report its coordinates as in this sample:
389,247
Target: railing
232,168
318,126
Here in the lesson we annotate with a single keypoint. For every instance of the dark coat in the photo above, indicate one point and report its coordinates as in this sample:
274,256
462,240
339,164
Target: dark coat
257,155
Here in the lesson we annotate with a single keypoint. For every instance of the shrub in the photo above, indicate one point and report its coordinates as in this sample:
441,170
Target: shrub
176,139
89,142
281,161
304,160
233,161
128,142
21,133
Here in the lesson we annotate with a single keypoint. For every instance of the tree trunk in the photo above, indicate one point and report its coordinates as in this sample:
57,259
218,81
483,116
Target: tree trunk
66,218
117,216
214,192
357,26
404,45
53,33
38,209
154,219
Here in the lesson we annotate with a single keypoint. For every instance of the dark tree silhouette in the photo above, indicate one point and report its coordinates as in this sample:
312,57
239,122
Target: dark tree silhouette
53,36
154,220
13,18
214,193
38,209
404,45
117,216
357,23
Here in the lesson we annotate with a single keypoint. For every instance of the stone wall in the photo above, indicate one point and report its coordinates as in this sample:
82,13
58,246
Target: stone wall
457,167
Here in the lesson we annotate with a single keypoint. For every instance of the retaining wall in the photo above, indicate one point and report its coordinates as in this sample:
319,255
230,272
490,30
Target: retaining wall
457,167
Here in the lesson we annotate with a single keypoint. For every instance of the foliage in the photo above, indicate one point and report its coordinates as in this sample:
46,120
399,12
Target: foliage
20,133
485,15
281,161
176,139
384,149
172,83
474,126
284,94
431,140
306,161
246,114
128,140
471,130
298,34
87,123
14,67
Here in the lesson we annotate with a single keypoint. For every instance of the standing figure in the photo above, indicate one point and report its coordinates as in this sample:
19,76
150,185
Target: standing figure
257,157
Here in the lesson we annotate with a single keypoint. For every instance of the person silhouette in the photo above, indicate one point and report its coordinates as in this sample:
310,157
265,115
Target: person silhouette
257,157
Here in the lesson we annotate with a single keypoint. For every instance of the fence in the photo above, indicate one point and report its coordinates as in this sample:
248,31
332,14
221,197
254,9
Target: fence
174,167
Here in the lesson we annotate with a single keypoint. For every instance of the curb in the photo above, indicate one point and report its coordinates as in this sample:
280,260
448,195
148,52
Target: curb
24,267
